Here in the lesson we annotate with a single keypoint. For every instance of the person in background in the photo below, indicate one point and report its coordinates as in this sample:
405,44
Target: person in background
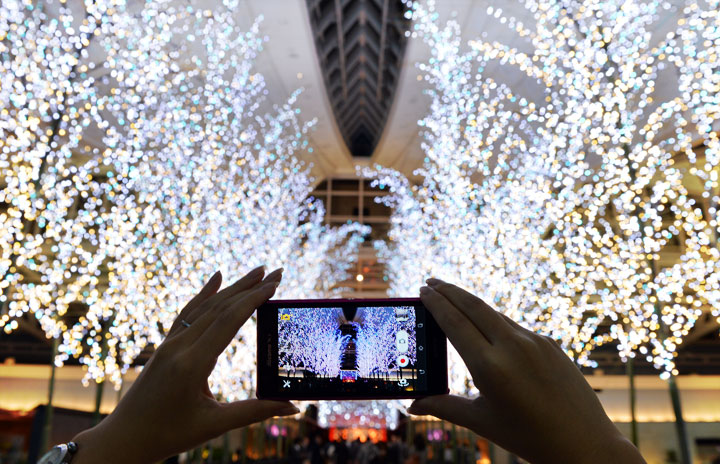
534,401
296,452
341,452
467,453
418,452
367,452
396,450
306,445
380,456
329,452
478,454
448,452
354,450
317,449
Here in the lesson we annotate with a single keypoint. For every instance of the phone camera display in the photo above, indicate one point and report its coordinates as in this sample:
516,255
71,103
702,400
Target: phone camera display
360,349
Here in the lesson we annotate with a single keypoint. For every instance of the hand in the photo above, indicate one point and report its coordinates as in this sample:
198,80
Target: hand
534,401
170,408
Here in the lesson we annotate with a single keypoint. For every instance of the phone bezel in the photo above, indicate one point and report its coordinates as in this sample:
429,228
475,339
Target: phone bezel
267,333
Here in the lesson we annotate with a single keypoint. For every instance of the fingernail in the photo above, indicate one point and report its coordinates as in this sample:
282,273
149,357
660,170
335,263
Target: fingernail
289,410
275,273
258,270
424,290
214,277
414,410
433,281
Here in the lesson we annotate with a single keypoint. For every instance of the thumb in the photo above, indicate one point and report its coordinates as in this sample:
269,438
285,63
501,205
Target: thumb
241,413
471,414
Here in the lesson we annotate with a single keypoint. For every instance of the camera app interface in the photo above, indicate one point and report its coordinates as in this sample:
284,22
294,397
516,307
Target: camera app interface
371,349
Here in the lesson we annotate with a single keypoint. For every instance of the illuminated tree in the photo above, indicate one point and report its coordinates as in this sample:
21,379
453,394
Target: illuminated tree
376,414
46,99
574,193
699,84
193,176
216,183
490,188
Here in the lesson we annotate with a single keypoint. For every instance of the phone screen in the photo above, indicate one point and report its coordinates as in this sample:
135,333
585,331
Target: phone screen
351,349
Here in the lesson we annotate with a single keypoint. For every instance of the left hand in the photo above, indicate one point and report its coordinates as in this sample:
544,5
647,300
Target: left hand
170,408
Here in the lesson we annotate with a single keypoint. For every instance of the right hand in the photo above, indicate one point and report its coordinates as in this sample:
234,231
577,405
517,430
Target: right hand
533,401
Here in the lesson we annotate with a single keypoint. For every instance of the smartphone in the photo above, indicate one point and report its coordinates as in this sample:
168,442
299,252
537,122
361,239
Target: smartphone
349,349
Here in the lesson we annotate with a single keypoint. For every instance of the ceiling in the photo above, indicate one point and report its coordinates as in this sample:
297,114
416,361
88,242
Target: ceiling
360,46
292,59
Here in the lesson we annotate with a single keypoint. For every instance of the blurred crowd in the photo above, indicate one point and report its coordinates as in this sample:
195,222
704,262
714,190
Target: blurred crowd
318,450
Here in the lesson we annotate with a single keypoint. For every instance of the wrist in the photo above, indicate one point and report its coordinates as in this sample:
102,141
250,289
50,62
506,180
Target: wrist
90,449
618,450
99,444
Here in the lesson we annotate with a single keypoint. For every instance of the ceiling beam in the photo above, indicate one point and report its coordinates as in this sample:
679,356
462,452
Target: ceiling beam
341,45
361,59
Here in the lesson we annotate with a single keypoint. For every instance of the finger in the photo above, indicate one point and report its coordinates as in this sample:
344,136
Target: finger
514,324
275,275
241,413
246,282
485,318
189,312
470,343
472,414
215,305
223,329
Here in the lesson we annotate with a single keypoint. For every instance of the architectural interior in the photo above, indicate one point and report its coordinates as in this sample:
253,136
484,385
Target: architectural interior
359,66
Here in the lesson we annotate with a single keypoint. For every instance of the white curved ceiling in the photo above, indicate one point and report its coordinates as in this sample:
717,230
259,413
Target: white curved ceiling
291,51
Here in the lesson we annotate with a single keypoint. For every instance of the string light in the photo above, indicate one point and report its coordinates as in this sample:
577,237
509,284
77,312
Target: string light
43,109
190,175
363,414
569,209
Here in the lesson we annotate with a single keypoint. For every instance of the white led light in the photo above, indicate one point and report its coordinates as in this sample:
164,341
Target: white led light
584,210
185,175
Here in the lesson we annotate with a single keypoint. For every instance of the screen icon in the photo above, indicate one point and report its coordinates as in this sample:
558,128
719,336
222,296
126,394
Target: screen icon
402,342
285,317
403,361
403,382
286,384
402,313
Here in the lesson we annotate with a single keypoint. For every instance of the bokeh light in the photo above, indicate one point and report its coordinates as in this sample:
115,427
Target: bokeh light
585,210
140,156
